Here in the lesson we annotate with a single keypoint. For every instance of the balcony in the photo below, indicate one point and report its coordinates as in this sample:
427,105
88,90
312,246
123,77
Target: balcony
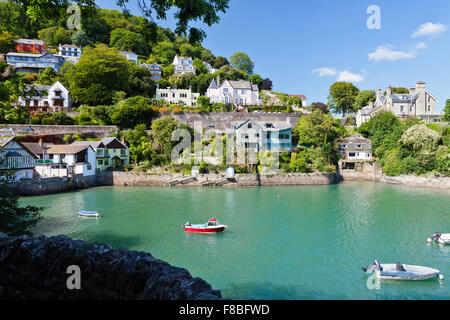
45,161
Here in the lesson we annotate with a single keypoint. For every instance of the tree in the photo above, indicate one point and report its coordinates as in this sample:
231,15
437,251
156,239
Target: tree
162,130
399,90
61,118
267,84
47,76
204,103
342,97
100,72
80,38
140,82
363,98
6,42
447,111
188,50
185,12
165,51
125,40
220,62
320,106
242,62
200,67
256,79
317,129
133,111
53,36
16,220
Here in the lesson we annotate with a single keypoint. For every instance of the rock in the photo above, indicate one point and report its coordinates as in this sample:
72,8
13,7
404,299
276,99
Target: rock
36,268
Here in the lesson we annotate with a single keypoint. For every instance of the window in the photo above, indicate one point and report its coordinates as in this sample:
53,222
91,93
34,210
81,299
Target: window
123,152
89,167
106,162
244,136
225,90
352,155
401,109
268,135
249,126
359,146
100,162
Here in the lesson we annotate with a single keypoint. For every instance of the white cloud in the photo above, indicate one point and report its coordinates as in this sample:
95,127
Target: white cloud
429,29
422,45
388,52
347,76
325,72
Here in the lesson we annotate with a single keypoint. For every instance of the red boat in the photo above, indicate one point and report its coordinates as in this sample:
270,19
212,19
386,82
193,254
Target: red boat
210,227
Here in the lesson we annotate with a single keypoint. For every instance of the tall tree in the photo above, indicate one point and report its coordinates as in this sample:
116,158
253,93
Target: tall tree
267,84
447,111
342,97
6,41
363,98
206,11
100,72
242,62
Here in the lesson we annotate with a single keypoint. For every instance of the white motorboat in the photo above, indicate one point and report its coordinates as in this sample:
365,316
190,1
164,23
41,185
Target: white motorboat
440,238
89,213
402,272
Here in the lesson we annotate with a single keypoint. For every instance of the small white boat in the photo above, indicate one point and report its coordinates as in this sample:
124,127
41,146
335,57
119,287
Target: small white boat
402,272
440,238
89,213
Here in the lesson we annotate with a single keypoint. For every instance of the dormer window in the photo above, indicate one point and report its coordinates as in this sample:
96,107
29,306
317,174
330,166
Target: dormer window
249,126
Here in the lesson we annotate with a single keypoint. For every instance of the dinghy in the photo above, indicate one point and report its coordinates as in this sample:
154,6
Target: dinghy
440,238
89,213
402,272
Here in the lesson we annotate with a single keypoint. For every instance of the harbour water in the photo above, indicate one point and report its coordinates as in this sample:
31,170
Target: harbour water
308,243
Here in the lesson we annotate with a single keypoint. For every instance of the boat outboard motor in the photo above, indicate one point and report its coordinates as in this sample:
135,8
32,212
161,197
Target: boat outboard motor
400,267
436,235
374,266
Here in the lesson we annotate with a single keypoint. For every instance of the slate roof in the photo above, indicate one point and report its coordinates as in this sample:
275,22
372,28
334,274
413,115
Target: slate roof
242,84
34,147
67,149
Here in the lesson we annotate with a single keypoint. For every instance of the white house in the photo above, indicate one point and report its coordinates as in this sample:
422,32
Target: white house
130,56
266,136
242,93
178,96
70,52
418,103
47,98
79,159
183,65
355,148
16,161
210,68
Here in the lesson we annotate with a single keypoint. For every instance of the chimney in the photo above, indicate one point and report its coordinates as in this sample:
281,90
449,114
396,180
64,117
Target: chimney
218,80
389,90
412,90
370,104
378,93
41,142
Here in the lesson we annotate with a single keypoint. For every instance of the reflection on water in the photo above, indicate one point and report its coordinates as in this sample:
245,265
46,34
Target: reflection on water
309,243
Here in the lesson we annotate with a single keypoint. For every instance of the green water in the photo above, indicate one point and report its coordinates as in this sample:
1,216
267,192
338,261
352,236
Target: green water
308,244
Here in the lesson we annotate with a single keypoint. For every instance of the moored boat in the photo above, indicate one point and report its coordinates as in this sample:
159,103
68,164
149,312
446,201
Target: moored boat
212,226
89,213
440,238
399,271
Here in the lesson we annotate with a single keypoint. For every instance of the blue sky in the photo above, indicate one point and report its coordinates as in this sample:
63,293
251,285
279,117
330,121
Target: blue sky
305,46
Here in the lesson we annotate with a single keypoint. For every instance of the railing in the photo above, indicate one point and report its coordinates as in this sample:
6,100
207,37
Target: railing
44,161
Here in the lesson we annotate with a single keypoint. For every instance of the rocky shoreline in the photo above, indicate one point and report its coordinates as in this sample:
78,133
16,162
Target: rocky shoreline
37,269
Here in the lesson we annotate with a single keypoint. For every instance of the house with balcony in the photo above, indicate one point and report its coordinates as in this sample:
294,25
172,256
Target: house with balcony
155,70
69,52
30,46
355,147
53,98
266,136
240,93
16,161
79,160
33,63
184,65
109,152
183,97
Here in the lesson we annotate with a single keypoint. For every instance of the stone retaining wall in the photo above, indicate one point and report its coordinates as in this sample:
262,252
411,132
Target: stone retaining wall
146,179
101,131
429,181
41,186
